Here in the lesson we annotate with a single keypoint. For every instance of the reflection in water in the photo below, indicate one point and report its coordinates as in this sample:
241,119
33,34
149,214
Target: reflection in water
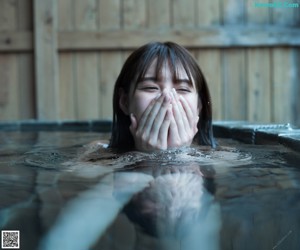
171,207
175,210
168,195
98,199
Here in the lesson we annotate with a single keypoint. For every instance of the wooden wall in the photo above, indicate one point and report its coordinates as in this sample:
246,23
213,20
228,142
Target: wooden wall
59,58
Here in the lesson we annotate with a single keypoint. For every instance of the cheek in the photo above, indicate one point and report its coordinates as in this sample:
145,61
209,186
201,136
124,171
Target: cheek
138,104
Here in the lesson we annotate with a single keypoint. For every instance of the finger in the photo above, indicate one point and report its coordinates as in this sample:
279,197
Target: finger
192,119
184,117
144,118
173,135
133,124
179,115
164,128
160,117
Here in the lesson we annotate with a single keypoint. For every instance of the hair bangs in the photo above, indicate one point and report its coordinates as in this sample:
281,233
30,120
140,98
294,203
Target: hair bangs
157,52
165,53
177,61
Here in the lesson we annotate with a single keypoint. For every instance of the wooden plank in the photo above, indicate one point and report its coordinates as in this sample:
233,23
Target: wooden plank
207,38
16,41
282,85
46,59
208,13
115,40
285,16
233,12
109,62
109,15
256,15
134,14
8,12
67,88
210,64
110,66
85,14
26,86
25,14
159,14
26,64
65,15
86,64
258,68
9,92
234,65
87,87
234,85
183,14
259,85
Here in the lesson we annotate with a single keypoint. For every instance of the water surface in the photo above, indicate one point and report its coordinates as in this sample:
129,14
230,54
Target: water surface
65,190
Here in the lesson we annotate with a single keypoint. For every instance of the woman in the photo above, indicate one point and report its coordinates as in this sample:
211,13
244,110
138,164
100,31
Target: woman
161,101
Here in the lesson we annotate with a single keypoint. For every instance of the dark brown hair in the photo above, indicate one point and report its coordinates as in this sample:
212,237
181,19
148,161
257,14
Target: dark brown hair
134,69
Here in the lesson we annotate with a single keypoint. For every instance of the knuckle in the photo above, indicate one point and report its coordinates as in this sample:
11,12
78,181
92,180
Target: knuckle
151,143
144,137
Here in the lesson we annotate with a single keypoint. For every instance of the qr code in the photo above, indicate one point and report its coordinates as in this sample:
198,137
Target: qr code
10,239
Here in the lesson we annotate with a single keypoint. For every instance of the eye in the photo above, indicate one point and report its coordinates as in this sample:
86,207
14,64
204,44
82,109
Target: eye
150,88
183,90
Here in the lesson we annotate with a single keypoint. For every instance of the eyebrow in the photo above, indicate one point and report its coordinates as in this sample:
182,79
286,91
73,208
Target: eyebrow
150,78
177,81
183,80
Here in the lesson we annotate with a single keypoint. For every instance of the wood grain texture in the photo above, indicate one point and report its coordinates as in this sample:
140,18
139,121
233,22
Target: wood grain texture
86,63
212,37
134,14
79,47
46,59
183,14
159,14
234,85
282,83
110,62
67,76
210,64
208,13
259,85
9,91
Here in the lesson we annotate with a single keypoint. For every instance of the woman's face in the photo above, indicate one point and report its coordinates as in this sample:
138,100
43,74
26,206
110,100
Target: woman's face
149,87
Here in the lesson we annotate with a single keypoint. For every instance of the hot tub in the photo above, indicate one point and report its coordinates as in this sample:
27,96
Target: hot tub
60,191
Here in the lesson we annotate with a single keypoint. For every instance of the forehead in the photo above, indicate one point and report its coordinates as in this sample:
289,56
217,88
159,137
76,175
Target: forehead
164,68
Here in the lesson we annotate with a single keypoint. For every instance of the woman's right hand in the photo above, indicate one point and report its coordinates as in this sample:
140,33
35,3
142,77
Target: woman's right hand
151,132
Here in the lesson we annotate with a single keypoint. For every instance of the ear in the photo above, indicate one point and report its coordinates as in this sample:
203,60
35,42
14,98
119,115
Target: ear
123,101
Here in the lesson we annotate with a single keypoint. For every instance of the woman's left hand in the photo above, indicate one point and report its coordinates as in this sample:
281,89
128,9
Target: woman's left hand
183,126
